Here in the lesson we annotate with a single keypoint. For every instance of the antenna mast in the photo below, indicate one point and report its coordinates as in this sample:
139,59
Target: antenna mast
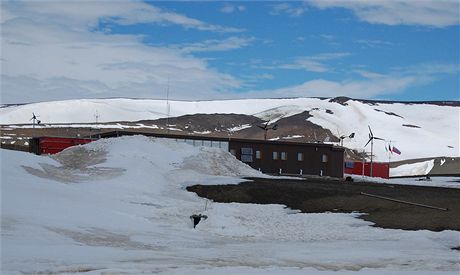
168,109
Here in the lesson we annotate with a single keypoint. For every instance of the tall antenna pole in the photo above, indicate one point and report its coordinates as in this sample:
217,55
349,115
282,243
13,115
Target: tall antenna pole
167,108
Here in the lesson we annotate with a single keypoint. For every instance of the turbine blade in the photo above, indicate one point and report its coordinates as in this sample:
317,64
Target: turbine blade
370,131
368,142
378,138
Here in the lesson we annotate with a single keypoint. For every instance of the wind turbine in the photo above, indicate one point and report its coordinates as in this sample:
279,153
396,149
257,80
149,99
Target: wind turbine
35,120
266,128
371,140
342,137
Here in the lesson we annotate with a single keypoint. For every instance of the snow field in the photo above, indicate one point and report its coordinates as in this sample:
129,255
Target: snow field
137,220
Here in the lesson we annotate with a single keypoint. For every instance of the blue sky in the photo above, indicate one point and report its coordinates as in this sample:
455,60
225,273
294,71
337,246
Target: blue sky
392,50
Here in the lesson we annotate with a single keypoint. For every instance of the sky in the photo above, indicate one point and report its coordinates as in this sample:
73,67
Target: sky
189,50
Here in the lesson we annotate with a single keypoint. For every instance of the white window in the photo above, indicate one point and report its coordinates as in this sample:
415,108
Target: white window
324,158
275,155
258,155
300,156
283,156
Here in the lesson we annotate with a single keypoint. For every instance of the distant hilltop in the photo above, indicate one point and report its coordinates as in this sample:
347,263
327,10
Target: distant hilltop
415,129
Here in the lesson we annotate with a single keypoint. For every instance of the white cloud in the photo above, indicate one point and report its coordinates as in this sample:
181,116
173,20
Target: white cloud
350,88
215,45
374,43
315,63
49,52
373,85
229,8
84,14
290,10
431,13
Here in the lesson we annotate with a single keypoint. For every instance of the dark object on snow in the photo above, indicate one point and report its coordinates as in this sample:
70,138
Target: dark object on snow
197,218
425,179
350,179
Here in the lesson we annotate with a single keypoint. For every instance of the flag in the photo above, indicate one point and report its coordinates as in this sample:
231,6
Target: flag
396,151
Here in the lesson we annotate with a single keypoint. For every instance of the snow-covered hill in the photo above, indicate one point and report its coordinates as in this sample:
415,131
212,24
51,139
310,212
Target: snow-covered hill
417,130
119,206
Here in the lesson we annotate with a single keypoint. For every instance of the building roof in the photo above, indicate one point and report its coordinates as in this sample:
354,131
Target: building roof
118,133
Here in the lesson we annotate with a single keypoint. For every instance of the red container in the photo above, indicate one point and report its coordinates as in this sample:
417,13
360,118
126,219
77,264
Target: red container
379,169
53,145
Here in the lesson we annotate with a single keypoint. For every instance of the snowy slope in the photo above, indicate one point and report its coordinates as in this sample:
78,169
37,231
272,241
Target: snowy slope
119,206
417,130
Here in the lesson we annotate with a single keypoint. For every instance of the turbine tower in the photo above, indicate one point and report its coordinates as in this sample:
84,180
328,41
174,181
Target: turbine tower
266,128
371,140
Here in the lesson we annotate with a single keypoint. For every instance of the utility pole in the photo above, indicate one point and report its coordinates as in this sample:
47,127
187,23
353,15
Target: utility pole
168,109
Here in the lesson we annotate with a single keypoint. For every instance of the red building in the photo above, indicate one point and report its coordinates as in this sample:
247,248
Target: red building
379,169
53,145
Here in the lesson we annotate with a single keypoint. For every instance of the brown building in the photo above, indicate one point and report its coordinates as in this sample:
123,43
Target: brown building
270,157
275,157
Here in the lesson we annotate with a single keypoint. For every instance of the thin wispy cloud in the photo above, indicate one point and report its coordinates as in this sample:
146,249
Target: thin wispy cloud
230,8
399,12
369,85
216,45
315,63
290,9
374,43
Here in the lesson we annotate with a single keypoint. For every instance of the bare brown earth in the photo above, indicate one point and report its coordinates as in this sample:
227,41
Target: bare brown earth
321,195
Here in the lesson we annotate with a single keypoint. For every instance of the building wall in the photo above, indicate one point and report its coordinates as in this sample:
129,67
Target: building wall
379,169
312,162
53,145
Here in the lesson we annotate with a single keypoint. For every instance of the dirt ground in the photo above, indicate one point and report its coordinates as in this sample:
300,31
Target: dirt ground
322,195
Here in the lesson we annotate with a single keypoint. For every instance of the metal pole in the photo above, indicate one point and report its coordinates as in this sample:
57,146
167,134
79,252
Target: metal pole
405,202
372,152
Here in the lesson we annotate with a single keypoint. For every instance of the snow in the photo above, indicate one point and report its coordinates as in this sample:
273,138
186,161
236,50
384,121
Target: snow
90,125
434,181
439,125
419,168
119,206
239,128
294,136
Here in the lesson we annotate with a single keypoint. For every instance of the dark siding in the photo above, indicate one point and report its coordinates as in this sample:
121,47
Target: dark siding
312,153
